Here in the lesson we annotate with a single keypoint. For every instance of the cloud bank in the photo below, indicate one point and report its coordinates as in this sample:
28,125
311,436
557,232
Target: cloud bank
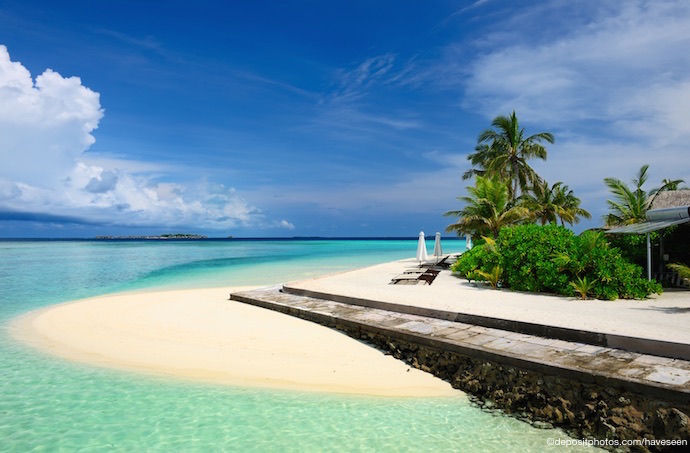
610,80
45,127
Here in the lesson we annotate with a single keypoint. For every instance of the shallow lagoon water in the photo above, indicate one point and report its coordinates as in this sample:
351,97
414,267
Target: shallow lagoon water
49,404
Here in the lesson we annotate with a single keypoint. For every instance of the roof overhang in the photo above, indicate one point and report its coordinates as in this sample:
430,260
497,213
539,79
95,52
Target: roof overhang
647,227
657,219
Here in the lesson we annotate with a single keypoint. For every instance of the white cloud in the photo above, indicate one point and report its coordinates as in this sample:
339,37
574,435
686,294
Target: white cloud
611,81
46,125
285,225
354,83
623,64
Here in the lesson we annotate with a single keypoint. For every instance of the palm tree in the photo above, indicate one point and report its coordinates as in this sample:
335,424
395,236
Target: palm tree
569,210
487,209
670,184
482,154
550,204
541,202
504,151
666,184
629,205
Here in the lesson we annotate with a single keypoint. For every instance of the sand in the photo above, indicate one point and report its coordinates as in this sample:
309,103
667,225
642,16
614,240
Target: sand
663,317
200,334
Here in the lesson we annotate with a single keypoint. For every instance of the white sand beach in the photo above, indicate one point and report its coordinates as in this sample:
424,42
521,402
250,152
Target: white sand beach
200,334
662,317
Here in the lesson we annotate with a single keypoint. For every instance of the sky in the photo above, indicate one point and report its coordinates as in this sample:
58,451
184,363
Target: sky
321,118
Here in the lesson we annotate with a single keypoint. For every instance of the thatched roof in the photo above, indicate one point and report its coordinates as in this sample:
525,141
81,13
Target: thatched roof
671,199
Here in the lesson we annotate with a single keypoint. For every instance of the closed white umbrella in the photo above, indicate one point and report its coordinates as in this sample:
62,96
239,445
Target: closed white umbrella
421,248
437,247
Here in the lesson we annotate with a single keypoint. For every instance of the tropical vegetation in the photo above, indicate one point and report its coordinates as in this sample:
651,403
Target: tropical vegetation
582,286
504,152
516,213
487,209
507,190
553,259
682,269
551,204
630,204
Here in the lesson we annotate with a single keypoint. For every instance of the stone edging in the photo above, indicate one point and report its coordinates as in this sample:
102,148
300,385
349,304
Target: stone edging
633,344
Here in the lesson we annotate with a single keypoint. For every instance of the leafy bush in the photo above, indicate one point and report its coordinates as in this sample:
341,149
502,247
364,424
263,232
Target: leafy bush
493,277
633,247
582,286
481,258
618,278
551,258
682,269
526,257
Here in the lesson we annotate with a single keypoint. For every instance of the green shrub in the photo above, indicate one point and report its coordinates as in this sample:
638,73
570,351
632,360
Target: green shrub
633,247
682,269
478,258
493,277
618,278
551,258
526,257
582,286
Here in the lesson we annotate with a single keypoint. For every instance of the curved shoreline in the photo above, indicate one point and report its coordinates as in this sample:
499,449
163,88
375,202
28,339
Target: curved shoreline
199,334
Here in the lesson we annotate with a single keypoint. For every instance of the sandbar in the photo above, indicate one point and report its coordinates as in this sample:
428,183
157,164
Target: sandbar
200,334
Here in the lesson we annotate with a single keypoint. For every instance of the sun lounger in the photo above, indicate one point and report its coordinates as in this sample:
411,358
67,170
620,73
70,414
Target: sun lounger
414,277
428,278
414,271
447,261
405,278
422,270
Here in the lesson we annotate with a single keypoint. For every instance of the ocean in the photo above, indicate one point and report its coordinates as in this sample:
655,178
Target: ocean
50,404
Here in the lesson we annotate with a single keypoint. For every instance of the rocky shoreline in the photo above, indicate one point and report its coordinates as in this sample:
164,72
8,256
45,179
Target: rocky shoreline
583,410
594,405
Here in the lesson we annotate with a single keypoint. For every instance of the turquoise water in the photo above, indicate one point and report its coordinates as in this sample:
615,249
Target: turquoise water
49,404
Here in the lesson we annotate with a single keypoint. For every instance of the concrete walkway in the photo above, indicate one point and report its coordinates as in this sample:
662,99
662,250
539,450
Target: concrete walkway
641,373
657,326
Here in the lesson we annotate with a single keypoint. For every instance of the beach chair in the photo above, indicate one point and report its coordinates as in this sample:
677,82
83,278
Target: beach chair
406,278
414,270
428,278
447,261
414,277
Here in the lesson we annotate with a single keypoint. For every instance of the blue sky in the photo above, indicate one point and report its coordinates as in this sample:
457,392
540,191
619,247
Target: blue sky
316,118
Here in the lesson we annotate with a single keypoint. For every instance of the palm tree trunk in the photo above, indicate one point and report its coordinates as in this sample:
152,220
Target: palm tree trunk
516,179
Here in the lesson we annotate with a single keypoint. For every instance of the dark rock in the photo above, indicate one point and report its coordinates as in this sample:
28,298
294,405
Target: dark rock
660,423
678,425
584,410
542,425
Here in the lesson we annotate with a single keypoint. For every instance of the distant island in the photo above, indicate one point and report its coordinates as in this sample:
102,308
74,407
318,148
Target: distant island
157,237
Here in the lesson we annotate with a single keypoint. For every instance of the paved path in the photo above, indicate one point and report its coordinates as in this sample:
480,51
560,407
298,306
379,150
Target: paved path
657,376
658,326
